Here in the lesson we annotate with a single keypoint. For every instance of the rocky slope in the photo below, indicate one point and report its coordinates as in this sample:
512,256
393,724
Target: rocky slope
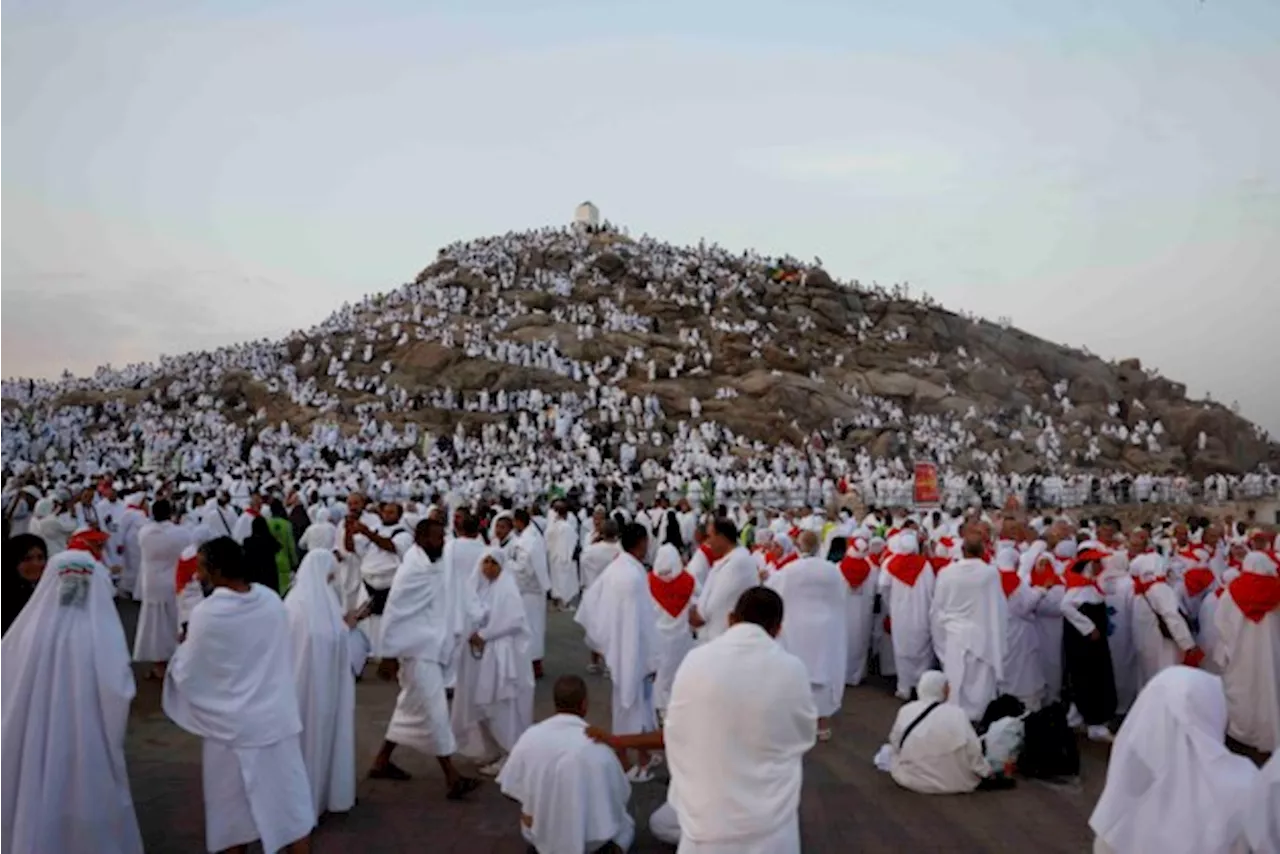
793,353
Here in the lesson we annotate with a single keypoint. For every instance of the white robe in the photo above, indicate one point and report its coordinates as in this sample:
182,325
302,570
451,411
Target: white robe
595,558
728,579
860,616
562,540
942,756
618,616
572,788
1262,819
415,629
908,609
1023,675
815,626
161,544
460,558
1248,654
1117,592
67,686
325,684
231,683
1154,651
737,788
493,699
674,638
1172,784
969,618
529,566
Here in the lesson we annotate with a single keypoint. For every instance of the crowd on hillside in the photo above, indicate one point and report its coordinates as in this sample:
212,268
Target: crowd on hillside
357,419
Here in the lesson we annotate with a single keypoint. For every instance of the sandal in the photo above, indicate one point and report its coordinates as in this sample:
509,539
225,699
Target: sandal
390,771
462,788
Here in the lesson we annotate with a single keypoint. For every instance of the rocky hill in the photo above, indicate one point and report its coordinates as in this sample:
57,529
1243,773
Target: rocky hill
773,349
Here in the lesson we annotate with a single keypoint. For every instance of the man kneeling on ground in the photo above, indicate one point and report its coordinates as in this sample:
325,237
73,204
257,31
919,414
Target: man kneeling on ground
572,791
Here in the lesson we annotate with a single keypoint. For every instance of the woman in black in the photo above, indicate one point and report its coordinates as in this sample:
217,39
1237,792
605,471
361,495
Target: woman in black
673,532
260,556
24,558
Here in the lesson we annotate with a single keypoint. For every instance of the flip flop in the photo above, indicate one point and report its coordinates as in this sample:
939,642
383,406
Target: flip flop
462,788
390,771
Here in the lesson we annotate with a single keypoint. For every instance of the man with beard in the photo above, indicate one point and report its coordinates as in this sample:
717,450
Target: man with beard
416,630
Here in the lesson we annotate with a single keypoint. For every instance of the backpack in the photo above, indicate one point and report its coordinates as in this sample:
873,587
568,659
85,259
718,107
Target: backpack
1049,746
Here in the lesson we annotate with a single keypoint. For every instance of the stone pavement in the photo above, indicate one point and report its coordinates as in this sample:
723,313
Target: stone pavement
847,805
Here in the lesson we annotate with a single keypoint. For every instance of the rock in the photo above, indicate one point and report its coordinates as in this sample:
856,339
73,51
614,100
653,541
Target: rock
899,384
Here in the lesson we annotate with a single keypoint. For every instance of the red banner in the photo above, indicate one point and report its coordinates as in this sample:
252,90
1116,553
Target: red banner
926,485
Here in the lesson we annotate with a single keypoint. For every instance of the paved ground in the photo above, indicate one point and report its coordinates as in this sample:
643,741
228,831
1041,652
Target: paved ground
847,805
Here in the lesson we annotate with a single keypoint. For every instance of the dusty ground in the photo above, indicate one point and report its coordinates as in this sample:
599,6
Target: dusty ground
847,805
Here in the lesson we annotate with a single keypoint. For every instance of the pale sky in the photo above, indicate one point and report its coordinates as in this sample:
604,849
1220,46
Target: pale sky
181,175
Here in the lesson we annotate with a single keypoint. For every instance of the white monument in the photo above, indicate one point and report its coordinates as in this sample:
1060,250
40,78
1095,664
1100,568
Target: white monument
586,215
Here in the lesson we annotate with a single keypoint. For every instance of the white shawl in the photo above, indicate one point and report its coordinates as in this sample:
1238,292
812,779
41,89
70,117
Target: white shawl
1172,785
67,686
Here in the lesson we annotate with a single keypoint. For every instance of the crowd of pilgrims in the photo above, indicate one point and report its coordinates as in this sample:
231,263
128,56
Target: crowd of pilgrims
356,415
260,615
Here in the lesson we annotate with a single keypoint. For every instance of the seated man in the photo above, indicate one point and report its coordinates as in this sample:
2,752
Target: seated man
572,791
932,747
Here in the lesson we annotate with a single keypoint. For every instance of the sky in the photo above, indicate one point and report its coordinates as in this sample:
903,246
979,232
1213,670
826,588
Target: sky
182,175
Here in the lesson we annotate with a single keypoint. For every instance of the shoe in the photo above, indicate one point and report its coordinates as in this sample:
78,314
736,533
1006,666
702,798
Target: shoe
595,669
1100,733
824,735
1074,719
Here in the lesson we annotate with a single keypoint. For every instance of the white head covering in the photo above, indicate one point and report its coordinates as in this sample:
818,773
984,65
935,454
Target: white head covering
67,680
905,543
1065,549
932,687
43,508
667,564
1258,563
1172,785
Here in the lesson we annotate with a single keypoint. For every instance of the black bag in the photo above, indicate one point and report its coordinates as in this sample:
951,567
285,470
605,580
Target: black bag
1049,746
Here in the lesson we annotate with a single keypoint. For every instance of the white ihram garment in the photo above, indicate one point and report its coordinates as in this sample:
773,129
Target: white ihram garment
595,558
1262,819
1023,676
532,577
729,578
1248,654
941,755
493,700
618,616
231,683
324,682
415,629
740,722
860,608
970,621
460,558
1172,784
67,686
908,606
815,626
562,541
675,638
572,788
161,544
